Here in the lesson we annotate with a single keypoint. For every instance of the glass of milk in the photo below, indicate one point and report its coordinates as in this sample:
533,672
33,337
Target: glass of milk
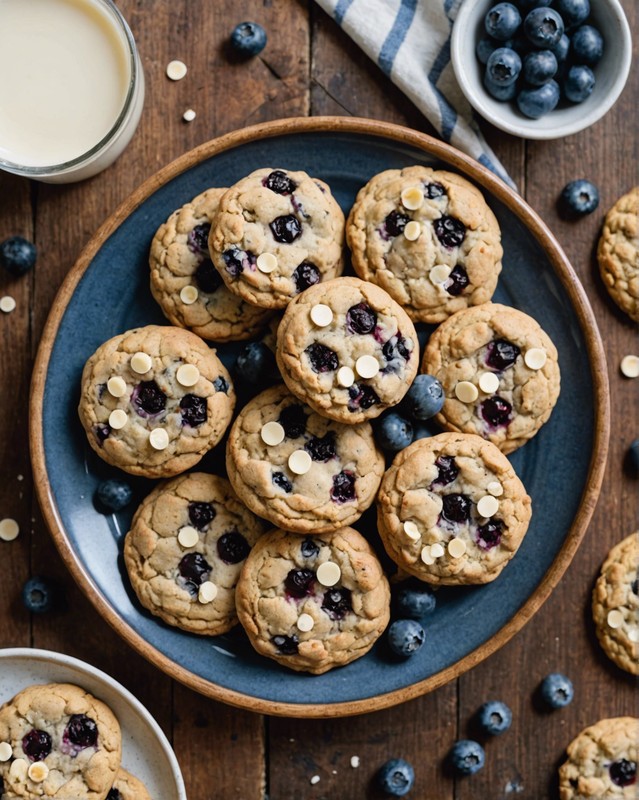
71,87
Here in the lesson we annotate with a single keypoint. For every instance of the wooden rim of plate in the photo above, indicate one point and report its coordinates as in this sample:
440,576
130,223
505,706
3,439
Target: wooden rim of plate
567,276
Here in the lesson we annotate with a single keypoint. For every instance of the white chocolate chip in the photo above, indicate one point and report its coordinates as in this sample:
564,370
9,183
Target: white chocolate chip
321,315
175,70
6,751
355,762
412,198
466,392
188,375
189,115
299,462
38,771
439,274
488,382
456,547
411,530
207,592
305,622
266,263
118,419
535,358
141,363
345,377
427,556
495,488
18,770
633,634
7,304
9,529
367,366
488,506
315,779
116,386
159,439
272,433
436,550
189,295
615,618
412,230
188,536
328,573
630,366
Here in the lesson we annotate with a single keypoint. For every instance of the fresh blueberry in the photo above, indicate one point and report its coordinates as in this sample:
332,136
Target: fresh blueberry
421,430
485,47
424,399
414,602
494,717
39,595
501,93
396,777
17,255
579,198
248,38
561,49
544,27
393,432
557,690
467,757
405,637
539,67
255,365
501,21
632,459
503,66
623,772
534,103
586,45
573,12
579,83
114,494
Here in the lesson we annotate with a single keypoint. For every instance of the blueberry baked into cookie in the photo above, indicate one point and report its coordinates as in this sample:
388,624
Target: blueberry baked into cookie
57,741
428,238
313,603
128,787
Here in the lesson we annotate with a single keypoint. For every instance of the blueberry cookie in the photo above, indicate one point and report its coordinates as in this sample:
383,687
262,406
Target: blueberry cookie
313,603
499,371
276,233
155,400
618,253
602,762
128,787
347,350
63,742
428,238
301,471
187,286
615,604
451,510
184,552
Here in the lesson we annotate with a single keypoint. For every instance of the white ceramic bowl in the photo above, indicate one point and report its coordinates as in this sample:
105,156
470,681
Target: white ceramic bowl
611,73
146,752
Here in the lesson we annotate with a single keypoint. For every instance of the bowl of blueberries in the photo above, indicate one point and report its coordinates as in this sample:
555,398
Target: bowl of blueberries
541,69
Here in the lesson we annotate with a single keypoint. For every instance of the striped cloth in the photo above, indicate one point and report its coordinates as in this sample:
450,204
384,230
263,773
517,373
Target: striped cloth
410,41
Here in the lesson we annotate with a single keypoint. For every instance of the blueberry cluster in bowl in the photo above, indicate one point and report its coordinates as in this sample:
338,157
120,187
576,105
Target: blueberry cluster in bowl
538,52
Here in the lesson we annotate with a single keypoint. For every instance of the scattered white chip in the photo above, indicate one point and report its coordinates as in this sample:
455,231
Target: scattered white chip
315,779
535,358
354,762
412,230
188,536
6,751
175,70
466,392
188,375
412,198
488,382
9,529
439,274
456,547
266,263
328,573
118,419
367,366
18,769
272,433
207,592
189,115
633,634
630,366
427,556
299,462
38,771
159,439
437,550
495,488
488,506
189,295
321,315
141,363
305,622
411,530
116,386
7,304
345,377
615,618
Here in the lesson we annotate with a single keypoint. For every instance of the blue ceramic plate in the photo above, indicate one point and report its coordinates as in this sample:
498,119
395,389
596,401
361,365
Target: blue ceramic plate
561,467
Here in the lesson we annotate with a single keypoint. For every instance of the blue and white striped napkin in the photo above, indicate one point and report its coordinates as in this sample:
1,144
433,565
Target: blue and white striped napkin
410,41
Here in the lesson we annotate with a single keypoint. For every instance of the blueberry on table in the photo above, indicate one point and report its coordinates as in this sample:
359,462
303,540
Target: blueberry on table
494,717
502,21
557,690
39,595
535,103
632,459
503,66
405,637
543,27
393,432
248,38
578,198
540,66
586,45
255,365
501,93
17,255
573,12
114,494
396,777
414,602
466,757
579,83
424,399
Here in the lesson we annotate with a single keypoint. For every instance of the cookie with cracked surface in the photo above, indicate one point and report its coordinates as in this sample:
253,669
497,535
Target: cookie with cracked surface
65,744
615,604
128,787
347,349
428,238
499,371
276,233
602,762
451,510
618,253
313,603
187,544
335,481
154,400
188,288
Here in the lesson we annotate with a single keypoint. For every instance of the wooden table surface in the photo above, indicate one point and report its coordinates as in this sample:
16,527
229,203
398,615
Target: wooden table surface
311,67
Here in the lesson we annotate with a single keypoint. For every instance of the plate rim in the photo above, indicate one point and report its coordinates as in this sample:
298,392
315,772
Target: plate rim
562,268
